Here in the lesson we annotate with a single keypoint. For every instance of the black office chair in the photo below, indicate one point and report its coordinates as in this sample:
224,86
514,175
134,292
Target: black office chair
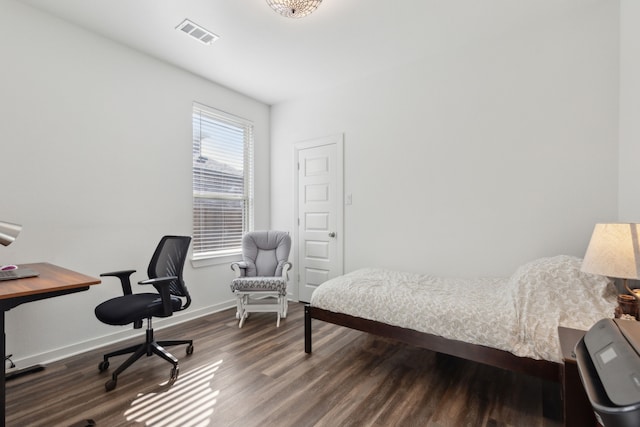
165,274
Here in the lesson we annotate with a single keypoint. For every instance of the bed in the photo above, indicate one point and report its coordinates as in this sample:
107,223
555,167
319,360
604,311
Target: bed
508,322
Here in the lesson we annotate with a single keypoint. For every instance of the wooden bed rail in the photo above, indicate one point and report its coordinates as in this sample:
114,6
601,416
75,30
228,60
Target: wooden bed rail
477,353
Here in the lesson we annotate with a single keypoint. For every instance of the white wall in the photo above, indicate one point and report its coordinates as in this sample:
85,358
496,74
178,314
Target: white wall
95,154
469,163
473,162
629,111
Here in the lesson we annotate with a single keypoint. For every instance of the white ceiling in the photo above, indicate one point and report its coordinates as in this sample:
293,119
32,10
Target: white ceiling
272,58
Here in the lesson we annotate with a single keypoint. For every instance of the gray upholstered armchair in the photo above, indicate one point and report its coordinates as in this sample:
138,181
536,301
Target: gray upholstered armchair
261,278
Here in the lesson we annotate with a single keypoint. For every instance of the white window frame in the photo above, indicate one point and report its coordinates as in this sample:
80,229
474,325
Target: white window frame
207,236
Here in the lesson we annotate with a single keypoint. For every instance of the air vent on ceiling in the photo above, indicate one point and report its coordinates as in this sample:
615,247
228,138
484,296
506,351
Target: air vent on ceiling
197,32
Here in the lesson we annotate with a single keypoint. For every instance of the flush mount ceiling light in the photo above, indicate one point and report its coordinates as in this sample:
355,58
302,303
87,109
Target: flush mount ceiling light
197,32
294,8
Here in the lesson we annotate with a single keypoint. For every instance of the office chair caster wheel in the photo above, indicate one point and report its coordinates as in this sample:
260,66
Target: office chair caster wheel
174,375
190,349
110,385
103,366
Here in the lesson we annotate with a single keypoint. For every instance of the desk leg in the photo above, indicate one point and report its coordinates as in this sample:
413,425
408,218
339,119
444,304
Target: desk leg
3,352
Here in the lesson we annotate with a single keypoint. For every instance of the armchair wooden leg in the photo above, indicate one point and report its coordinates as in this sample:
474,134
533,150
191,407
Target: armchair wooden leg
284,306
239,305
243,316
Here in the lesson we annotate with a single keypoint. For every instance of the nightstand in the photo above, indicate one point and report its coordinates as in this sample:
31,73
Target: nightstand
576,406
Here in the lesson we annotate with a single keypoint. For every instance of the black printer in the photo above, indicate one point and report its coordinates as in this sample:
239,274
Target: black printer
608,360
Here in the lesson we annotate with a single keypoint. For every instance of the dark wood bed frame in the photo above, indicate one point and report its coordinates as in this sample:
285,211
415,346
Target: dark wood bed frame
490,356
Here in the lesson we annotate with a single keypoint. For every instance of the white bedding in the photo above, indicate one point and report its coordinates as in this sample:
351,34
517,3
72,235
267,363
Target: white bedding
519,314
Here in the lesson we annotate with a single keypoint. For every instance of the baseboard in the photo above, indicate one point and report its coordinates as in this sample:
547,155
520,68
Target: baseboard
23,364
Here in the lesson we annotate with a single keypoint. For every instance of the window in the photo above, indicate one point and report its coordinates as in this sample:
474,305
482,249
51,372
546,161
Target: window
222,182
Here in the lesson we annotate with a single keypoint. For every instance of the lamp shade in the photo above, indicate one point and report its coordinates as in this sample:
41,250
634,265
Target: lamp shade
614,251
8,232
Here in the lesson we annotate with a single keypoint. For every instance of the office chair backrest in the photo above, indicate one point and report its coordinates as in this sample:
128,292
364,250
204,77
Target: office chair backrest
168,260
265,252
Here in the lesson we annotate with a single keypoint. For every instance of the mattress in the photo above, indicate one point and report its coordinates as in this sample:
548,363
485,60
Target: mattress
519,314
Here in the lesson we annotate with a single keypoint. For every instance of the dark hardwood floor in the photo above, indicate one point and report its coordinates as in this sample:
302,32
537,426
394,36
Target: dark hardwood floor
260,376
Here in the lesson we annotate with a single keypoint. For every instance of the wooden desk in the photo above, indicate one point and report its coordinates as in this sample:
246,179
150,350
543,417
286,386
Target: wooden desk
53,281
577,408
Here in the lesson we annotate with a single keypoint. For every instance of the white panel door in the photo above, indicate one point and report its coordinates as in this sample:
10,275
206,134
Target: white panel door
319,231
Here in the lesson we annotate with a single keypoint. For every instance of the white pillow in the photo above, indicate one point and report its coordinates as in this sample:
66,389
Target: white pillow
552,292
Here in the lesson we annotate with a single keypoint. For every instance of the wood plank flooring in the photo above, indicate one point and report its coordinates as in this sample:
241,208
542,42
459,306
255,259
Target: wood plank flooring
260,376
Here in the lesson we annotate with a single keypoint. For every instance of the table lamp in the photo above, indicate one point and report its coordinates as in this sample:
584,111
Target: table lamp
8,232
614,251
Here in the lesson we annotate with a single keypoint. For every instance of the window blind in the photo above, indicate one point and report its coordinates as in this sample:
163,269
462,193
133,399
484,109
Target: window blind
222,182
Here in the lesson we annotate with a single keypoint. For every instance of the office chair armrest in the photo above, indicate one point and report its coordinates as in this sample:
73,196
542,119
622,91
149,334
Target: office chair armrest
162,286
124,276
239,267
286,266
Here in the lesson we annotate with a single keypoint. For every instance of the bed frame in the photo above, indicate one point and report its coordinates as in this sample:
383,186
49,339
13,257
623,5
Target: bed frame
477,353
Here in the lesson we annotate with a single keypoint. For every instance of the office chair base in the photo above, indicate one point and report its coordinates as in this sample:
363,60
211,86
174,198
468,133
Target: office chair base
111,384
149,348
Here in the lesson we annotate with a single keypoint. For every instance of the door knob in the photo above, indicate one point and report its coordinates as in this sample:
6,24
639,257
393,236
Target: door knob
332,234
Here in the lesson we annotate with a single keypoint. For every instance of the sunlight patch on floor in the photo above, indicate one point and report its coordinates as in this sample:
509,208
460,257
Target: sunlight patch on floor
188,402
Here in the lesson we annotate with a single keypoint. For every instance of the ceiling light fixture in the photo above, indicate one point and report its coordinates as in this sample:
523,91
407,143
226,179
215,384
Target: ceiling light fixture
294,8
